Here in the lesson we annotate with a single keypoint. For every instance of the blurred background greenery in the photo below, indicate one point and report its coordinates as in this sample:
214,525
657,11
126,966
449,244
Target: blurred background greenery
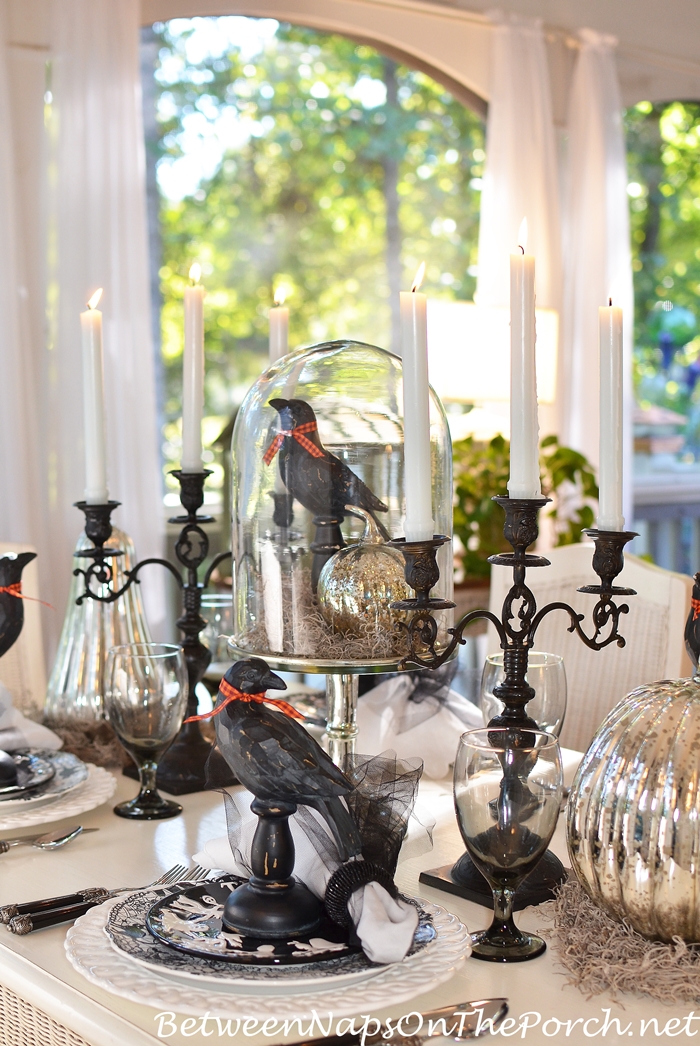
284,157
287,157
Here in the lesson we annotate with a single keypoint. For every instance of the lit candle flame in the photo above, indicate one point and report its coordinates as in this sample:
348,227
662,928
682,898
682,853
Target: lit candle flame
282,293
94,301
418,278
195,272
522,235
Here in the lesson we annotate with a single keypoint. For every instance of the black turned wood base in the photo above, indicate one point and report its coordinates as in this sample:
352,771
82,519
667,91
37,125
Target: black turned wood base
272,903
465,880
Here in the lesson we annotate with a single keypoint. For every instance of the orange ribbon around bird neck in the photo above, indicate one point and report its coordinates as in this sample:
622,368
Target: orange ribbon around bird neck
16,590
230,693
298,435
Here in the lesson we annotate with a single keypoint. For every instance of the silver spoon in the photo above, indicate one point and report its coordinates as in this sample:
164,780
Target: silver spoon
49,841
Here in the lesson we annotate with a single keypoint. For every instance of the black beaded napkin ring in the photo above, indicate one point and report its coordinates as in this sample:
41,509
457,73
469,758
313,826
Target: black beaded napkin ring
348,878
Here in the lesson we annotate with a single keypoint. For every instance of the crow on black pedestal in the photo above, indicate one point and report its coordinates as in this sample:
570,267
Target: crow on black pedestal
692,625
11,600
272,754
320,481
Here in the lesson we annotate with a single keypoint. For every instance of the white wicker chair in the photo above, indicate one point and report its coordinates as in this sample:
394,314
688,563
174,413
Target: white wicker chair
597,680
22,669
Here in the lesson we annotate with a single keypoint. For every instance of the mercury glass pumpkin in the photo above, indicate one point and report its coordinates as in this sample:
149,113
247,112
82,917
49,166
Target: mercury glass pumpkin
634,812
343,399
359,583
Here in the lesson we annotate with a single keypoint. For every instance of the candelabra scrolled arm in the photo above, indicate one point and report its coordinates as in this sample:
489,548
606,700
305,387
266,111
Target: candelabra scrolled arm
604,613
520,617
191,550
101,572
423,630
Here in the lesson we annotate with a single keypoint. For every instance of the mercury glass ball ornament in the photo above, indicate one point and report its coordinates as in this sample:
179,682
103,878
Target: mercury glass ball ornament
359,583
634,812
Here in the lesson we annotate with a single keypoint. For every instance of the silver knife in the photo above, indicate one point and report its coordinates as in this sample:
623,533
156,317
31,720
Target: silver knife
464,1020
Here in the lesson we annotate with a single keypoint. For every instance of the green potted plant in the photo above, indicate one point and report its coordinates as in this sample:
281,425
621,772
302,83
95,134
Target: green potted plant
480,471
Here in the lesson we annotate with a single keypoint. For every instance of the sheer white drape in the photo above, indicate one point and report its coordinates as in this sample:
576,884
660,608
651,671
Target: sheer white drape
22,518
521,176
97,238
596,244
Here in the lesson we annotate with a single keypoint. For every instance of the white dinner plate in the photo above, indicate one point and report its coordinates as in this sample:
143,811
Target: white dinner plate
90,952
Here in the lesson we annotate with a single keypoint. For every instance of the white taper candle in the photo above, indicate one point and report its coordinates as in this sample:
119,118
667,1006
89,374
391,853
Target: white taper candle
610,476
418,524
524,481
279,328
96,492
193,375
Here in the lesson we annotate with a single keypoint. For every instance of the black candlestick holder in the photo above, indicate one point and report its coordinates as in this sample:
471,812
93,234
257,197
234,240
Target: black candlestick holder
516,629
191,763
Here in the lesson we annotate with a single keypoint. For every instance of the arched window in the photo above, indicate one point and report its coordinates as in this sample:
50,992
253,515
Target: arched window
282,156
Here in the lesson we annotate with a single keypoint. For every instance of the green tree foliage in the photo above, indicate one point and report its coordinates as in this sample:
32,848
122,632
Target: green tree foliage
663,144
300,200
481,469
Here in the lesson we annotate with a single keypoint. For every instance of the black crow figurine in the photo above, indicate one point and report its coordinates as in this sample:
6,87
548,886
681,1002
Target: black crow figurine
320,481
273,756
692,625
11,601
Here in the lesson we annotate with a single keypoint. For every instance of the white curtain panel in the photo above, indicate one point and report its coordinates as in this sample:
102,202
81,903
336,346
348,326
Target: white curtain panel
97,238
21,471
597,261
521,178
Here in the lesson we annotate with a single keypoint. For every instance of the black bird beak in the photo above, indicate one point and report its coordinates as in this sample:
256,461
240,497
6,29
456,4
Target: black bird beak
279,405
273,682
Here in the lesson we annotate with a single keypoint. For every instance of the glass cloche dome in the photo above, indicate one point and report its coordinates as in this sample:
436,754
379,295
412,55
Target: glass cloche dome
318,466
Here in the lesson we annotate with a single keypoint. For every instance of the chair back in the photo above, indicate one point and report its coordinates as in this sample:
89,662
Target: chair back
22,668
597,680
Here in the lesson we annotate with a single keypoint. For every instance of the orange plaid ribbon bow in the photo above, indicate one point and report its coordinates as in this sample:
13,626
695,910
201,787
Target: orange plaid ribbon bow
298,435
695,604
16,590
230,693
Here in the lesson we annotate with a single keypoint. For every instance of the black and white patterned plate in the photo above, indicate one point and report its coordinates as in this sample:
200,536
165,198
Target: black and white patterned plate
32,771
67,772
127,932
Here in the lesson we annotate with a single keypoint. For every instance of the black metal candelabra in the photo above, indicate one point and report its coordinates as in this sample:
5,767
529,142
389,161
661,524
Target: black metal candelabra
516,629
190,763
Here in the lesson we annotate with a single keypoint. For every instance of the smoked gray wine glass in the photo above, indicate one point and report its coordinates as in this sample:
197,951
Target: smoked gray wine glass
546,676
145,700
508,787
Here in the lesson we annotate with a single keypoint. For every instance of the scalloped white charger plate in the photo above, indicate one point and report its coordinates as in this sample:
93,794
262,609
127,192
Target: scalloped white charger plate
90,952
97,789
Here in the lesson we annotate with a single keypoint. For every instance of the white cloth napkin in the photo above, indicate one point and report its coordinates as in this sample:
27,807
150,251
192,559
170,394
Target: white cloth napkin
384,926
16,731
383,713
